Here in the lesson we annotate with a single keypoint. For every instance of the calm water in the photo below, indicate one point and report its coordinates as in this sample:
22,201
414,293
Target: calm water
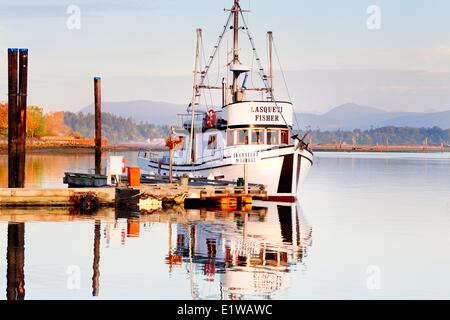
367,226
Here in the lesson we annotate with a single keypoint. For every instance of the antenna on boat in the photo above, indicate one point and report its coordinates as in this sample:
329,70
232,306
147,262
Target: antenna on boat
224,83
270,52
236,11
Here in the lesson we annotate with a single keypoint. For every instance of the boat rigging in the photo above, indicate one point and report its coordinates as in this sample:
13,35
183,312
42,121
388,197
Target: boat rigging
216,141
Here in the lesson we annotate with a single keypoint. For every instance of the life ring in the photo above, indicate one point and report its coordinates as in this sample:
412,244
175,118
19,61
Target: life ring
211,118
124,166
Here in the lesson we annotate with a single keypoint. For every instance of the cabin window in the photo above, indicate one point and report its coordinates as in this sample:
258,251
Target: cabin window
243,137
212,142
230,137
284,136
272,137
212,247
257,136
180,240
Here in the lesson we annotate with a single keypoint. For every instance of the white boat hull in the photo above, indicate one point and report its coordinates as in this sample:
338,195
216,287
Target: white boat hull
280,170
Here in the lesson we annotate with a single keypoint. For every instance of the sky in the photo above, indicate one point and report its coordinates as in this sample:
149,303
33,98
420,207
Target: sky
394,55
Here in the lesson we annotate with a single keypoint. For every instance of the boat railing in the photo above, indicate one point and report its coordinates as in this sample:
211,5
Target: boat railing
151,155
217,155
185,120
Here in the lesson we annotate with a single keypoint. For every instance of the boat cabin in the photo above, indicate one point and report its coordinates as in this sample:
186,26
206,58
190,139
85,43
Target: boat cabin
257,124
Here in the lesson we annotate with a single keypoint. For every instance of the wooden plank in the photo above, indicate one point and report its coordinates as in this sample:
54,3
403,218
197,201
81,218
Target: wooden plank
106,196
53,197
52,215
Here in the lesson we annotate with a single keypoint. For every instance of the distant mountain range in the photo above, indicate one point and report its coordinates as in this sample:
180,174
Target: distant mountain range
346,117
352,116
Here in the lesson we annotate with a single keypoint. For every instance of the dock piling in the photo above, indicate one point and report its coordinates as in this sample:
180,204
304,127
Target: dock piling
17,115
17,130
98,125
22,115
12,118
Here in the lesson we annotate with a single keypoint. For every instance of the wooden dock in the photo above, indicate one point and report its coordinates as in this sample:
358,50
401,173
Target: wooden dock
156,196
54,197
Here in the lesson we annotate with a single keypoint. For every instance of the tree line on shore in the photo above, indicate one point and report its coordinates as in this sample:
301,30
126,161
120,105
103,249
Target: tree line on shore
39,123
118,129
115,129
384,136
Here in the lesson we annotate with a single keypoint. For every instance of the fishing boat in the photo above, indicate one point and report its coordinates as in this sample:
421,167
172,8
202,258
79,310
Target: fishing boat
248,135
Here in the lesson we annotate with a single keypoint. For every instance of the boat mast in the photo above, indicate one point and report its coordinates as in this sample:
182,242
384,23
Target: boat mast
236,10
270,37
195,94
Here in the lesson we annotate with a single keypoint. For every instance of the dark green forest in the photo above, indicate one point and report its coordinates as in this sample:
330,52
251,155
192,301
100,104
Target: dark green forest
383,136
114,128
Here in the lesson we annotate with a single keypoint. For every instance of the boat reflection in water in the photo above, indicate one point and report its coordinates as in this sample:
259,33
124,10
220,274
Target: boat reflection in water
249,253
226,255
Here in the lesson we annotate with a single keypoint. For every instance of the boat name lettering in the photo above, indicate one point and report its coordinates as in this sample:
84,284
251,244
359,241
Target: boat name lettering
264,113
246,157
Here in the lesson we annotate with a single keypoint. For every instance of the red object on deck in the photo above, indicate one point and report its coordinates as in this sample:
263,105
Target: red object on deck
289,199
134,177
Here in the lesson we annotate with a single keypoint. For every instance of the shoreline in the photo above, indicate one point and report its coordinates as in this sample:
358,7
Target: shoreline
381,148
69,148
57,148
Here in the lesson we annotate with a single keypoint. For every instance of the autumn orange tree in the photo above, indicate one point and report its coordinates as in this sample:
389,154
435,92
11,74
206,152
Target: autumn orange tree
3,119
55,125
36,122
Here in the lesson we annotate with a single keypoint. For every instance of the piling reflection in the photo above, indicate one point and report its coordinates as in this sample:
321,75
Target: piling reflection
223,255
96,264
15,287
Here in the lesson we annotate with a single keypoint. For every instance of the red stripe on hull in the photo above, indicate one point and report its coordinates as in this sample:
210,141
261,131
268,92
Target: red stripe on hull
289,199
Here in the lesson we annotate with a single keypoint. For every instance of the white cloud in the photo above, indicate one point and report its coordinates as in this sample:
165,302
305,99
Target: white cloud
441,50
399,88
436,59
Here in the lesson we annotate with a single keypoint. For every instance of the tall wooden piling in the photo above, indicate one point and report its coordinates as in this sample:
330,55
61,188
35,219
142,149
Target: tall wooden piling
17,115
22,115
98,125
17,129
12,118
